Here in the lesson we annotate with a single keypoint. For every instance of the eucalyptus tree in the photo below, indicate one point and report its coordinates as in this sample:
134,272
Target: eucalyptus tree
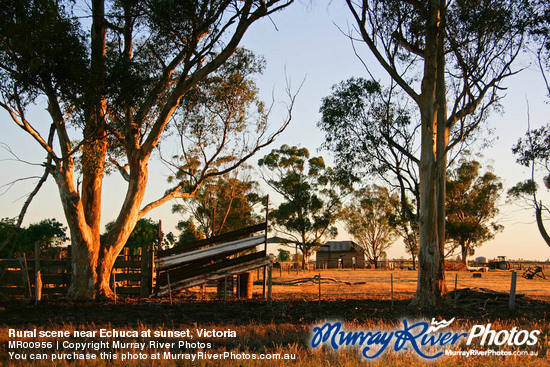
449,58
222,204
533,151
471,207
373,133
312,197
116,77
370,219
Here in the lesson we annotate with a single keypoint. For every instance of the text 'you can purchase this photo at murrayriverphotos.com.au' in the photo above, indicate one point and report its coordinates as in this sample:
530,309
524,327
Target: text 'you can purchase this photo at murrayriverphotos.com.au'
125,345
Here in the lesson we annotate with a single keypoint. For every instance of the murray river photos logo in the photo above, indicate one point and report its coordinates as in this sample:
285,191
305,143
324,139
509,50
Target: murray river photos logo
417,336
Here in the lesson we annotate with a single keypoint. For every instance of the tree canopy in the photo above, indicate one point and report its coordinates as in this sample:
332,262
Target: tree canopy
47,233
115,78
283,256
311,195
372,133
370,219
221,205
471,207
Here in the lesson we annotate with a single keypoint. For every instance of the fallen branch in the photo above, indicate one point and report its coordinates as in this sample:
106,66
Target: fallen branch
314,280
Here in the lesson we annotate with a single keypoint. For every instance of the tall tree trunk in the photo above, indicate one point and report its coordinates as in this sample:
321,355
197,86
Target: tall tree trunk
429,287
94,151
428,254
86,248
84,251
305,256
442,142
124,224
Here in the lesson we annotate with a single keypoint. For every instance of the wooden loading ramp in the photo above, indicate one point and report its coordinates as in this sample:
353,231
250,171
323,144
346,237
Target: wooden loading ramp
228,254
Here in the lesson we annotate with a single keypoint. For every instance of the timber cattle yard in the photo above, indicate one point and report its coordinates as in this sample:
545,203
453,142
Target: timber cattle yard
361,299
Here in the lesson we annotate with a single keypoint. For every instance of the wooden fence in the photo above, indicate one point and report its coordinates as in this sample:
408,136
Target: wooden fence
144,273
36,277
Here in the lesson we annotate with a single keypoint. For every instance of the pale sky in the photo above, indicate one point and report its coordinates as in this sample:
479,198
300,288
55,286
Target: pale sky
305,42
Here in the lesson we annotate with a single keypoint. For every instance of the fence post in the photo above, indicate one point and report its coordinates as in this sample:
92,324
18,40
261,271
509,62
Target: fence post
238,286
146,271
169,287
392,289
269,271
319,288
26,278
456,288
512,301
67,269
152,269
38,277
225,288
264,283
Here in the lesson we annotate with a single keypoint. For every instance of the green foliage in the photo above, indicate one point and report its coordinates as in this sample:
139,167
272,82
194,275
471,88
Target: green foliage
540,32
363,129
370,133
223,204
533,151
144,234
35,34
471,207
284,255
311,196
188,233
534,147
47,233
224,105
7,226
526,188
168,240
371,221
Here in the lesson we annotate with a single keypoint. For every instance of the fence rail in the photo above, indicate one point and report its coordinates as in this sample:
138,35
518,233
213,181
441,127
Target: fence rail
139,274
229,254
19,277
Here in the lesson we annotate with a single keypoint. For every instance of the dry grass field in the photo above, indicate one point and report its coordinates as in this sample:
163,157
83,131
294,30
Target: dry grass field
376,284
286,327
